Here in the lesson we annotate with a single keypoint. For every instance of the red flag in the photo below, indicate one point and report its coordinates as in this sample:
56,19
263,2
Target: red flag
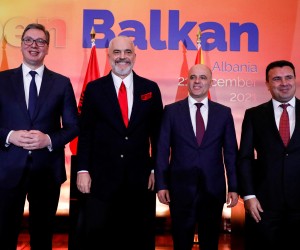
92,73
182,90
4,62
199,57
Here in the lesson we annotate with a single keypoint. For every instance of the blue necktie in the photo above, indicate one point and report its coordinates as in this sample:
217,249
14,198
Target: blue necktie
32,94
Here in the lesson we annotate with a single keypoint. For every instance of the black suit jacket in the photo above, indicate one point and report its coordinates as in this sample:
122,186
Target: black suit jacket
112,153
274,174
56,115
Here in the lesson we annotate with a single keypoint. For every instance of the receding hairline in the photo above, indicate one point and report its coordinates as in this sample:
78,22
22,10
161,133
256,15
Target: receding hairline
201,66
121,37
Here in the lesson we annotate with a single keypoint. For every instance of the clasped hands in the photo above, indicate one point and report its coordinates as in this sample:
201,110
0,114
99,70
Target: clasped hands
29,139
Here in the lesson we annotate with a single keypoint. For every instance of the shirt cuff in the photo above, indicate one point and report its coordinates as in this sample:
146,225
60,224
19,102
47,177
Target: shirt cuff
49,146
7,143
247,197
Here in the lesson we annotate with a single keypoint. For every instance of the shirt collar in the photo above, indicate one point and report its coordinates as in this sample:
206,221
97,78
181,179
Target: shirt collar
26,70
128,80
292,102
192,101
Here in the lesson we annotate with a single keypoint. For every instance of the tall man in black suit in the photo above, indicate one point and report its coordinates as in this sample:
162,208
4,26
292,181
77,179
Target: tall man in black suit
32,160
269,166
191,175
115,159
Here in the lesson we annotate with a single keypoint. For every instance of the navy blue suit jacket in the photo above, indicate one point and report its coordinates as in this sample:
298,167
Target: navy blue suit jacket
192,168
56,115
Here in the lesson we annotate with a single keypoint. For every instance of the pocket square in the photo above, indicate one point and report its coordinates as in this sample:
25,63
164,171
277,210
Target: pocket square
146,97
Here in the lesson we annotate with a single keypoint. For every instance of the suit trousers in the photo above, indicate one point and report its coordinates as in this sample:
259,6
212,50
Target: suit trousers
43,195
277,230
117,224
205,214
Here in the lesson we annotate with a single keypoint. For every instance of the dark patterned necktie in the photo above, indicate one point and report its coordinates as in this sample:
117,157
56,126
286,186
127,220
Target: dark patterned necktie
122,97
32,94
200,128
284,125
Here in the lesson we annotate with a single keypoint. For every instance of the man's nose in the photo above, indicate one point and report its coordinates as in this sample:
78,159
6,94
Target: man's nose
122,54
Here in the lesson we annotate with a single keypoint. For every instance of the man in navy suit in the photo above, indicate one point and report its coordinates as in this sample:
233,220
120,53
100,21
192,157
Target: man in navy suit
189,177
115,159
269,167
32,160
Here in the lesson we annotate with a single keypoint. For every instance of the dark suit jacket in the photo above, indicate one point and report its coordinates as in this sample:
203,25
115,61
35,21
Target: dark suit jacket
274,177
192,168
112,153
56,115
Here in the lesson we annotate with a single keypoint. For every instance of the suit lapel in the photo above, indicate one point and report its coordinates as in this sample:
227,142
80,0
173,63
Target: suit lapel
212,120
136,105
45,89
296,132
185,118
109,90
18,85
269,120
136,111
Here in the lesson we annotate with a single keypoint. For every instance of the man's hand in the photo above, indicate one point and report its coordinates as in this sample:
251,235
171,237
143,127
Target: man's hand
151,182
84,182
253,207
232,199
164,196
36,140
29,140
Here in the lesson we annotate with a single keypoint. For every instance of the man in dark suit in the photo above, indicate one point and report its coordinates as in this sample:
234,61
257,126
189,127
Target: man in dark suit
114,159
269,166
190,175
32,143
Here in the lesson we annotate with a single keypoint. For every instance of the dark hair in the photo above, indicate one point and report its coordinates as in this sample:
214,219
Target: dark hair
280,63
38,27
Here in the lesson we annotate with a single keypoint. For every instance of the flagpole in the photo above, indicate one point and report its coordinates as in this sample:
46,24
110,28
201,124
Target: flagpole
92,73
198,39
93,35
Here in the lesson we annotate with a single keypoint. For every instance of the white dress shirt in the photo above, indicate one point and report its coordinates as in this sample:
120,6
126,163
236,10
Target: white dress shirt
291,111
27,79
203,110
128,81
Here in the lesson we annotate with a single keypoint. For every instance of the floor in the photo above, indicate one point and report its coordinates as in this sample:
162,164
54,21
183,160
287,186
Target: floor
163,242
228,239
